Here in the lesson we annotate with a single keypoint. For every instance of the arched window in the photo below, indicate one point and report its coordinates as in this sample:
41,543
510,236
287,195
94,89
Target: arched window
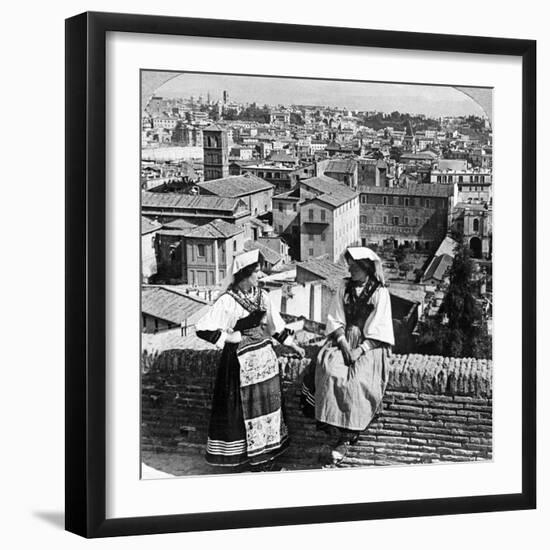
476,224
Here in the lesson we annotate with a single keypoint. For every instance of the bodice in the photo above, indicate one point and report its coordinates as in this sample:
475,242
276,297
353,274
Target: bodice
357,307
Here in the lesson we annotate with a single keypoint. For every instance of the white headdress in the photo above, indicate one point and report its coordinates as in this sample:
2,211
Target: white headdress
364,253
240,262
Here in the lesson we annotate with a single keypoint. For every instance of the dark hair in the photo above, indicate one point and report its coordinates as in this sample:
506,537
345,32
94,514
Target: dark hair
244,273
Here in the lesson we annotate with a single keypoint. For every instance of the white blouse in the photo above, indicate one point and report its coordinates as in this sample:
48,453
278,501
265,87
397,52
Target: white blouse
226,311
378,326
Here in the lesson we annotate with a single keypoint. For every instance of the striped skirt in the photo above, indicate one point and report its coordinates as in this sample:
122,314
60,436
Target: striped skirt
247,424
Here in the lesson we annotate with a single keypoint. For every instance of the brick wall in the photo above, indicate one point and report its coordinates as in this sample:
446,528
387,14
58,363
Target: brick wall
435,409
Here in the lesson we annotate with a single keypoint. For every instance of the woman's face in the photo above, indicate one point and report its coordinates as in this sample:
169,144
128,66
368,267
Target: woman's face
252,280
356,272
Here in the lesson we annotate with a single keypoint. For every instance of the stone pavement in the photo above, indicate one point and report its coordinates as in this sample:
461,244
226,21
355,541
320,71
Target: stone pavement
191,462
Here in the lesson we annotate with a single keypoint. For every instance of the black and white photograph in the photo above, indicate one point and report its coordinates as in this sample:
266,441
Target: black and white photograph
260,288
316,274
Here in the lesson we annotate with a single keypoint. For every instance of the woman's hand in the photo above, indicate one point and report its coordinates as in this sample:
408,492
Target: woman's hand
233,337
298,349
346,350
355,354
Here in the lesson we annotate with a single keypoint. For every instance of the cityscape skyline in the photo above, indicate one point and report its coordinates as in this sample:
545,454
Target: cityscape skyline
298,191
429,100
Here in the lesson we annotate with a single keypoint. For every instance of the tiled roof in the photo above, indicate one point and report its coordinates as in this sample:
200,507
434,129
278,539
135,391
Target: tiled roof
447,246
331,200
235,186
196,202
345,166
179,224
413,293
292,195
269,255
422,155
438,266
282,157
368,160
323,269
169,305
328,190
417,190
325,184
216,229
148,226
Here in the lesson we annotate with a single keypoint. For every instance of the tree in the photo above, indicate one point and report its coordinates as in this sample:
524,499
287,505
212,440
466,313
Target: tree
459,329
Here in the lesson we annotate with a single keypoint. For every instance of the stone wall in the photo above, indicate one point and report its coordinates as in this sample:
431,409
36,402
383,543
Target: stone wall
435,409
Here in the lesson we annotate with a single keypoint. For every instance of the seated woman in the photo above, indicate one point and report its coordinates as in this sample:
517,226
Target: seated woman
247,426
346,389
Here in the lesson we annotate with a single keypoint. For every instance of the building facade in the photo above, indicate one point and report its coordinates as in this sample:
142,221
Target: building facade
320,216
473,184
279,117
209,254
283,178
417,216
475,223
198,255
372,172
329,218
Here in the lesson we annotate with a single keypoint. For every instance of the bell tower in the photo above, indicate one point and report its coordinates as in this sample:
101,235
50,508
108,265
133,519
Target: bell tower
216,152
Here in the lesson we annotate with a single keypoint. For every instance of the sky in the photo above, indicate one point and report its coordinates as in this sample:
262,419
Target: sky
365,96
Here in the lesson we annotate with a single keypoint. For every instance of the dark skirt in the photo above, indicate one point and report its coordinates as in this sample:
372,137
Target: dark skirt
247,423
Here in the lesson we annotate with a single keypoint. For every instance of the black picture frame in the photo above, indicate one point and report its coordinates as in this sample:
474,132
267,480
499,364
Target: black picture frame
86,273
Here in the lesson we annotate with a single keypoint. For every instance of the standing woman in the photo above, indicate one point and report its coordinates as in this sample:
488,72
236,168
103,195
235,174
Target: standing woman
247,425
350,376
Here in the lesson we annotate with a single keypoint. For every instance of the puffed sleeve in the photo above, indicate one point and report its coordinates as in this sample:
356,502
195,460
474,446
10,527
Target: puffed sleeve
219,317
276,325
379,325
336,317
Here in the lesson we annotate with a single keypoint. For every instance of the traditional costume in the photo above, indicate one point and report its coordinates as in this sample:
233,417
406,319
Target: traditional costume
343,397
247,424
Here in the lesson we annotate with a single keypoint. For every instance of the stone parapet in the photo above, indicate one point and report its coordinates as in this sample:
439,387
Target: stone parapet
435,409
